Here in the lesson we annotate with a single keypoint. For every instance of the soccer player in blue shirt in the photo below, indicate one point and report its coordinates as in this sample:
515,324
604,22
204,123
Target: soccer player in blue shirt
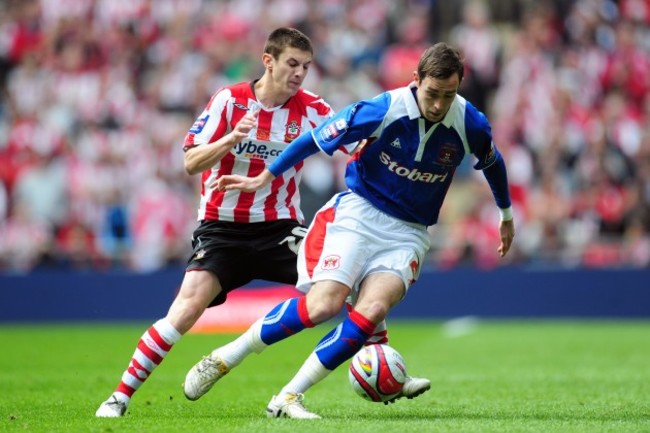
367,244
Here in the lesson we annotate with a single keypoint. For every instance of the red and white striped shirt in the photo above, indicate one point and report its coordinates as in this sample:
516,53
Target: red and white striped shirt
276,128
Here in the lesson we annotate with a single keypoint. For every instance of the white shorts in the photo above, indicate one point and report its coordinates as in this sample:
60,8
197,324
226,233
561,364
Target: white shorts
350,239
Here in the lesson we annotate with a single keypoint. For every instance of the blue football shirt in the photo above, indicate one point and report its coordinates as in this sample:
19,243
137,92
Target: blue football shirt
408,163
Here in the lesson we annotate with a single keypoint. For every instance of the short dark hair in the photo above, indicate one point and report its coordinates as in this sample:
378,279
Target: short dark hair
284,37
441,61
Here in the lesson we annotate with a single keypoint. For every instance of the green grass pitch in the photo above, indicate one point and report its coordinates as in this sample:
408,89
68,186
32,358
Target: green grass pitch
491,376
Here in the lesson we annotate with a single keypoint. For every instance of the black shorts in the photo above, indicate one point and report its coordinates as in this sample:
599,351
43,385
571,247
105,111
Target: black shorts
238,253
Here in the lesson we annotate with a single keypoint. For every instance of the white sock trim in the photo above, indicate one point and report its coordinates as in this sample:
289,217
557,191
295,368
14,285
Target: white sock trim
167,331
122,397
311,372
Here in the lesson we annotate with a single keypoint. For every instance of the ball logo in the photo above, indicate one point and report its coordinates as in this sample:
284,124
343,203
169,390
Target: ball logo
365,362
331,262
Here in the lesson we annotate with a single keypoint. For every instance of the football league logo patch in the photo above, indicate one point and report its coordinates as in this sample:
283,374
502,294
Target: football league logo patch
333,130
199,124
491,155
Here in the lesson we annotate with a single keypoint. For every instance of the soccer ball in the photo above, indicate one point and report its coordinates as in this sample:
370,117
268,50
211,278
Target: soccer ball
377,372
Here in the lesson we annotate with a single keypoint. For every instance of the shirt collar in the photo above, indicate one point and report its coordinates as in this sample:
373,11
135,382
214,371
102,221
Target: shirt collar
414,111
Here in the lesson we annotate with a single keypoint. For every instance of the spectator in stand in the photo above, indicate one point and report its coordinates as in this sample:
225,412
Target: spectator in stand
74,70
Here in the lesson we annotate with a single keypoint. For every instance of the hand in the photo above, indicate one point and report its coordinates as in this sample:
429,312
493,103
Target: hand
242,183
244,126
507,232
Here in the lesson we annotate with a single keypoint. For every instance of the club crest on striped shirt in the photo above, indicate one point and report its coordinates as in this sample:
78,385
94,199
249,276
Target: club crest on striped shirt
292,131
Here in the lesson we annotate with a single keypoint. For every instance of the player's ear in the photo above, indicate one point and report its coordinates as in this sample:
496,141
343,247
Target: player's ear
267,60
416,78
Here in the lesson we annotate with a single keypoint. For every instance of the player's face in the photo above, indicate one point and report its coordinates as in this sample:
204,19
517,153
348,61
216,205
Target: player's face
436,95
290,69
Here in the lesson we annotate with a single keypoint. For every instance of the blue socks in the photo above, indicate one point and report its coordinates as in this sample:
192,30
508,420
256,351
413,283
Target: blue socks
344,341
286,319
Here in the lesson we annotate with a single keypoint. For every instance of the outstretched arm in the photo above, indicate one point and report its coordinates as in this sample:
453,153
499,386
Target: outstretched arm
243,183
353,123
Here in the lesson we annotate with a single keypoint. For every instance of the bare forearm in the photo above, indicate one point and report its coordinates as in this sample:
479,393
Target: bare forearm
201,158
243,183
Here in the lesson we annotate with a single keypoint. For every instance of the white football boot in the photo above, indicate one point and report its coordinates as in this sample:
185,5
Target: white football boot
203,376
413,386
289,406
112,408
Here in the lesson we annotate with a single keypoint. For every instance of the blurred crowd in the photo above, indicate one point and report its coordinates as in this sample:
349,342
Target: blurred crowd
97,95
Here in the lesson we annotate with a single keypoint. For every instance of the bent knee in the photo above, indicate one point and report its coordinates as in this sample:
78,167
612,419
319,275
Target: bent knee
323,306
373,311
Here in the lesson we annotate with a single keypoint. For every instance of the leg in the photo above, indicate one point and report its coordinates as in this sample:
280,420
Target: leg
198,289
414,386
379,292
380,334
324,300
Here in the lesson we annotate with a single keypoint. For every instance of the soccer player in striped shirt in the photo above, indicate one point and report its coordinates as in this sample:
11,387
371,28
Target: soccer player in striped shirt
369,241
241,236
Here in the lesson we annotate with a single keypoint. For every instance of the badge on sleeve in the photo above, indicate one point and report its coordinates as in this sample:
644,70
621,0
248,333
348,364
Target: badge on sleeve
491,155
333,130
199,124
